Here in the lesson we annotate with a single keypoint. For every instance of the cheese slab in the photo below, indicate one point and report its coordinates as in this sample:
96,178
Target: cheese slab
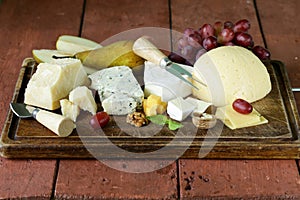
160,82
83,97
235,120
53,82
231,72
179,109
118,82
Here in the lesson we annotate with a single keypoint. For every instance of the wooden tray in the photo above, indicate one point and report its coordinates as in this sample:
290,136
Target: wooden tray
26,138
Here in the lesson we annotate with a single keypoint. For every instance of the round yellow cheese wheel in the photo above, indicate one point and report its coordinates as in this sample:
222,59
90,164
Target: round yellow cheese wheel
230,72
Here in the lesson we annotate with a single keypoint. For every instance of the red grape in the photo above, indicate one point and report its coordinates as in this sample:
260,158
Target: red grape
241,26
229,44
188,52
210,43
200,53
242,106
99,120
261,52
243,39
226,35
206,30
194,40
182,43
176,58
188,31
228,24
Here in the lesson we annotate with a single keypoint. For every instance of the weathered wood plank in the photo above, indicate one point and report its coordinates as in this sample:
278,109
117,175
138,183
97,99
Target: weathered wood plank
102,20
268,179
184,15
25,25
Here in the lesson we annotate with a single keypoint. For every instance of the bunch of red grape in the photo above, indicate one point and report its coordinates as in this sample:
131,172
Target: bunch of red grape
194,43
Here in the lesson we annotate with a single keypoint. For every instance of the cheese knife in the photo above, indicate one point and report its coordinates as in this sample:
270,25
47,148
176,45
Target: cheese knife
145,49
60,125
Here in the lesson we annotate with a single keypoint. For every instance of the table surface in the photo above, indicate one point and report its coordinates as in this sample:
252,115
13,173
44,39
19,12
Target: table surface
34,24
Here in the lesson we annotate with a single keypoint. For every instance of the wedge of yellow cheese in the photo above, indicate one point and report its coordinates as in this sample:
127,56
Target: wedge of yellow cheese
230,72
235,120
53,82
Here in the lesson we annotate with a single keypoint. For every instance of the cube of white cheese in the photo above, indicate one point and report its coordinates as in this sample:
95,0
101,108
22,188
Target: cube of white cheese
118,82
160,82
179,109
53,82
84,98
69,109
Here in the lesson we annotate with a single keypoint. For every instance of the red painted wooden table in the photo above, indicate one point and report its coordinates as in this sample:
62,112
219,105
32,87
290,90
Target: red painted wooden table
33,24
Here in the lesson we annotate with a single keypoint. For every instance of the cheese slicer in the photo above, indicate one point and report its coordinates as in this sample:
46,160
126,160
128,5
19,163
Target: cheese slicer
145,49
58,124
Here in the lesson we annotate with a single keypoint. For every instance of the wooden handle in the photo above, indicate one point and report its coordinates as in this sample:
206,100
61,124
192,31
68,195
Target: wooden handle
145,49
59,124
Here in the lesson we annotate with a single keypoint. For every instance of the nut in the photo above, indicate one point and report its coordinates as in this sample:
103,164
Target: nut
204,120
138,119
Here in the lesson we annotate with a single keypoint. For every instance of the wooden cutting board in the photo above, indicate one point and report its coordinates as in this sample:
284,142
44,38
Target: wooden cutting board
26,138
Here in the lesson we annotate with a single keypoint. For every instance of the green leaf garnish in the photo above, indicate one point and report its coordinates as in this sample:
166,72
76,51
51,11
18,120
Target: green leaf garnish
162,120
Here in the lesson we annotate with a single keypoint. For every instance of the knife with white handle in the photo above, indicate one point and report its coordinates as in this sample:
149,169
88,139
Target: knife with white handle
60,125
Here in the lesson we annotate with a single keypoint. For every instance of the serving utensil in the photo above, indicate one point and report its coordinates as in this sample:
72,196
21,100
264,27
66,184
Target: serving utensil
59,124
145,49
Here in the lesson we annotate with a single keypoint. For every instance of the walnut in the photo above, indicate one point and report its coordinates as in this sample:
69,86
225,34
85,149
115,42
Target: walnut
137,119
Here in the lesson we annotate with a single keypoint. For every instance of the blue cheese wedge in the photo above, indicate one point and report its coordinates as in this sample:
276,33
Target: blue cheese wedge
117,82
235,120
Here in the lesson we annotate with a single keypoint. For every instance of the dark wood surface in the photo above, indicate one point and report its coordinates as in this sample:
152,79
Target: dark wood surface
29,24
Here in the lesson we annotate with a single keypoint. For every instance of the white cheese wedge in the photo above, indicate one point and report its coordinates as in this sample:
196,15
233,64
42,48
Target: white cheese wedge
53,82
179,109
69,109
235,120
118,80
231,72
162,83
119,104
201,106
84,98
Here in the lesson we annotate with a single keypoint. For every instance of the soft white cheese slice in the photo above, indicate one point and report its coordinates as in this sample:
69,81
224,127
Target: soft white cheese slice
53,82
84,98
231,72
179,109
235,120
162,83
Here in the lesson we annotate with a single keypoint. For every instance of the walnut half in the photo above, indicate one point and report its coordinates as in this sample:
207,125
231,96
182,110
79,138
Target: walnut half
137,119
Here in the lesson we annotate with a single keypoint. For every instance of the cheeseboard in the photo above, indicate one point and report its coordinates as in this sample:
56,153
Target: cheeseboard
26,138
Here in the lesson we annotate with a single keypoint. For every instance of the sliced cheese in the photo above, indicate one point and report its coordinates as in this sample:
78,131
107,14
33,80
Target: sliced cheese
179,109
235,120
53,82
119,104
69,109
160,82
84,98
231,72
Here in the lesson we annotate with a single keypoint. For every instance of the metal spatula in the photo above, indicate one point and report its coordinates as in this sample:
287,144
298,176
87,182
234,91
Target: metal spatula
144,48
59,124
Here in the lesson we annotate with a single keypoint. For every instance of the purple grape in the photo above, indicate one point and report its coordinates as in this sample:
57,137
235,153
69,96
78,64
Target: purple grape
243,39
210,43
188,52
188,31
194,40
226,35
229,44
176,58
206,30
241,26
261,52
200,53
228,24
182,42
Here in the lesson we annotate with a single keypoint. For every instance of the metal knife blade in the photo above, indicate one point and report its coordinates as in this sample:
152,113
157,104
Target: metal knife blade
20,110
